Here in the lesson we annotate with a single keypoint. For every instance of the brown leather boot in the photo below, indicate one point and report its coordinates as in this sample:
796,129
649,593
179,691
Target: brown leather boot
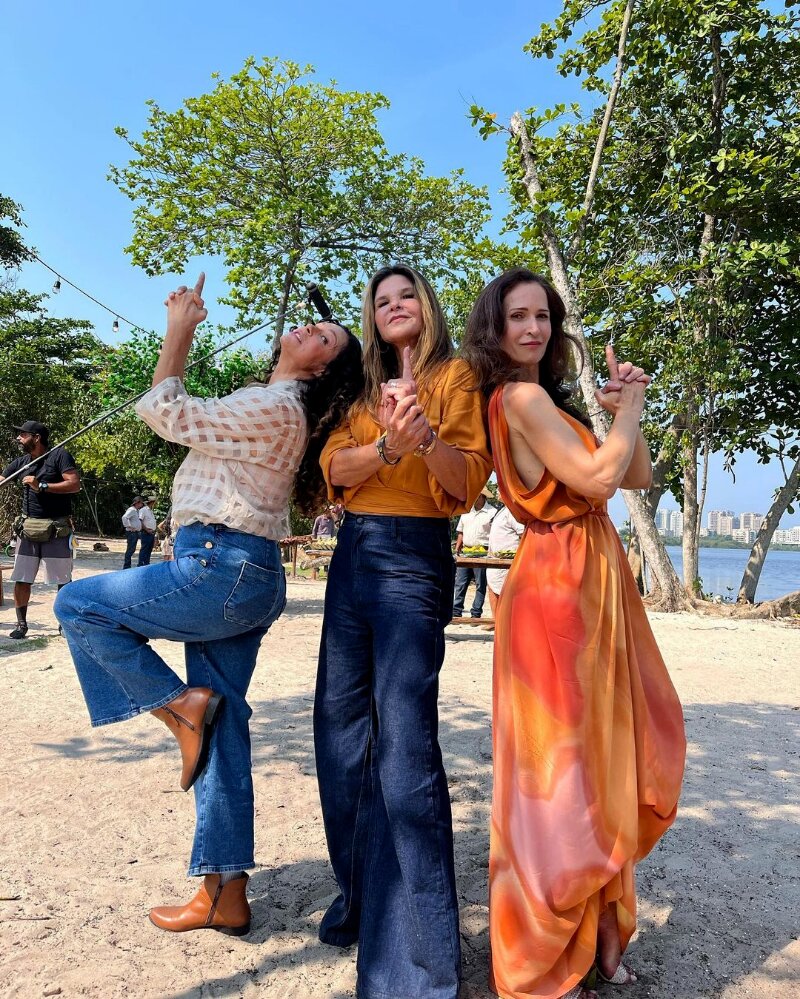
190,717
214,907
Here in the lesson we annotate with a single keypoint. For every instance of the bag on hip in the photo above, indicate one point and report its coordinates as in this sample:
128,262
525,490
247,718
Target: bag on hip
41,529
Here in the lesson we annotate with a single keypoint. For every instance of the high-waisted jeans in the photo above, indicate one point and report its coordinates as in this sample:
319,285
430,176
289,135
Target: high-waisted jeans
382,783
219,596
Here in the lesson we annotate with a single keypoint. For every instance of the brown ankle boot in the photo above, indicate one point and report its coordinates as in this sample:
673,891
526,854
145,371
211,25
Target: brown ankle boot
190,717
214,907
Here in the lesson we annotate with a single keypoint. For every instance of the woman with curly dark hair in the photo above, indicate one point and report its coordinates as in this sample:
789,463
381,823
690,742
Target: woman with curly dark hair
588,739
248,452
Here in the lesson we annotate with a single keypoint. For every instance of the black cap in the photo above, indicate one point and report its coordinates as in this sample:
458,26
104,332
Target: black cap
33,427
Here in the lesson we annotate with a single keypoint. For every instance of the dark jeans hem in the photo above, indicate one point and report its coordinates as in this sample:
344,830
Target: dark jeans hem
362,993
334,939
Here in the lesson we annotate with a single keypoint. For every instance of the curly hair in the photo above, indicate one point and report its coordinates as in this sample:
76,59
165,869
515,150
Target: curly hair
433,348
327,400
483,351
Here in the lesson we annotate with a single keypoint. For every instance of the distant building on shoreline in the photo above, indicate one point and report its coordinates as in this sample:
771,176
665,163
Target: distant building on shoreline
740,527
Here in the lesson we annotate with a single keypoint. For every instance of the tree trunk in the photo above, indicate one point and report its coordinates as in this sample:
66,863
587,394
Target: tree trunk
752,571
283,305
93,508
672,598
691,572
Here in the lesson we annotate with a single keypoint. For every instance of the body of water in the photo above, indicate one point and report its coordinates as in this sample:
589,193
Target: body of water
721,571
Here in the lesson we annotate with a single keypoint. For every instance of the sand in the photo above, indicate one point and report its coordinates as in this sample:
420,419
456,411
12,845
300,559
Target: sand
95,830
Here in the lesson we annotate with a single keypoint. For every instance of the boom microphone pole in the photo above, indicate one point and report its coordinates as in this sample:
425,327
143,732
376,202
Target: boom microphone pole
314,297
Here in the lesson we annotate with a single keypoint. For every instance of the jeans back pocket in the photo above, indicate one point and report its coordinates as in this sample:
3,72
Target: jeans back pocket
258,597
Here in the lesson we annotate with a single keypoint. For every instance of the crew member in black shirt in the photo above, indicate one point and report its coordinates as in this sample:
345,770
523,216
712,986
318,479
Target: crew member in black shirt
47,496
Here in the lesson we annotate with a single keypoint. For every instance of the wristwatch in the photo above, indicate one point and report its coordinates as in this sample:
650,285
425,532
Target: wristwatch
43,487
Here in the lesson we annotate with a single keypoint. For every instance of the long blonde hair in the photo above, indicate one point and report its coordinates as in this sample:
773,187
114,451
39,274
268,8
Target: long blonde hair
433,348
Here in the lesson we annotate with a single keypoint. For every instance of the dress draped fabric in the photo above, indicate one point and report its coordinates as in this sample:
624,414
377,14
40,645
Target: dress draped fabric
589,741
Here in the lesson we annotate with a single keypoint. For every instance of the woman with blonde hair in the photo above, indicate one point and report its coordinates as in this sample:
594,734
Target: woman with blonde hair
411,454
587,728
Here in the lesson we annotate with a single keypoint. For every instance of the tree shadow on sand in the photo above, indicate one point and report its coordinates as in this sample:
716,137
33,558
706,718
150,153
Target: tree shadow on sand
709,893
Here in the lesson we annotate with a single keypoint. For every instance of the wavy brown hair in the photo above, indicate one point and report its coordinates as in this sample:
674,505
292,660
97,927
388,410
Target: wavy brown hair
433,348
491,365
326,400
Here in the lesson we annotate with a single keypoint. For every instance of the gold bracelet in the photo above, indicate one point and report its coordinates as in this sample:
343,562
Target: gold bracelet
380,447
425,449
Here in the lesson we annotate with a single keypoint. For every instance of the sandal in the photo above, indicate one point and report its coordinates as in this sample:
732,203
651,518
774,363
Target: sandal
585,988
622,976
580,991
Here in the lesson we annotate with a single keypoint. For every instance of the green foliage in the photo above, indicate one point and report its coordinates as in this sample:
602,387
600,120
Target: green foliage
286,178
690,255
47,363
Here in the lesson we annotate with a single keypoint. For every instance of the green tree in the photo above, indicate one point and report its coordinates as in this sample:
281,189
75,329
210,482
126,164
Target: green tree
287,177
663,213
47,363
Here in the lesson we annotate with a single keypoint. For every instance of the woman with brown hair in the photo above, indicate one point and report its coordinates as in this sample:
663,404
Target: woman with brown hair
411,454
587,729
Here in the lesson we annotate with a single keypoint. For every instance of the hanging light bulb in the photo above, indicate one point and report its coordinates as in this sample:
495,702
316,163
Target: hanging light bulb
57,286
115,326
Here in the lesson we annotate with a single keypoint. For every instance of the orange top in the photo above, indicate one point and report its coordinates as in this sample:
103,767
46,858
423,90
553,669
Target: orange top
455,410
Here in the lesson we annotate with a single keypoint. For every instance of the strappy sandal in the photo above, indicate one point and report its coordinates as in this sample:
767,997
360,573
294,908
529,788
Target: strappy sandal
585,988
622,976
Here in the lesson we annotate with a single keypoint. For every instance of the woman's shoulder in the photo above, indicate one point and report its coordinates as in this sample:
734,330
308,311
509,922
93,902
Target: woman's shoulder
455,373
518,396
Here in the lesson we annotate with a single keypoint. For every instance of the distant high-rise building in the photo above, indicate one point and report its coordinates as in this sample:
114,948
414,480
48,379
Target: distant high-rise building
751,521
675,528
713,520
726,524
662,519
745,534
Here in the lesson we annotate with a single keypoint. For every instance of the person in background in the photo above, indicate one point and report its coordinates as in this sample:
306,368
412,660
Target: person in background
473,530
149,525
132,523
47,500
324,525
411,454
249,452
504,536
587,730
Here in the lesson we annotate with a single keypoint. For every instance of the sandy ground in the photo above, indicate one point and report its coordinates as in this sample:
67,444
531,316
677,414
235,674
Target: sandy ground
94,830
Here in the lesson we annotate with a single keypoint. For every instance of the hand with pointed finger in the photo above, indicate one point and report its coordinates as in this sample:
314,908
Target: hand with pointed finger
399,388
408,427
620,376
186,308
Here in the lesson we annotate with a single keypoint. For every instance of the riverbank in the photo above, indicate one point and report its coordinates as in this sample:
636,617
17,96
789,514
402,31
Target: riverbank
95,830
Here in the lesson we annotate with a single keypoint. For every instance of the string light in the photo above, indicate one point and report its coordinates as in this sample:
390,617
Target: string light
115,326
57,286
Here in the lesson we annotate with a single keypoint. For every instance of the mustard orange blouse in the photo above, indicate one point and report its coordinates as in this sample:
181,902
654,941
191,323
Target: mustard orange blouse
455,409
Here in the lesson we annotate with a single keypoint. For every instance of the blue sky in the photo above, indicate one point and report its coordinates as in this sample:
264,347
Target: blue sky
71,73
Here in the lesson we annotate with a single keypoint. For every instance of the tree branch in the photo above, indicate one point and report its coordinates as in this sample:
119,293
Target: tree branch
611,103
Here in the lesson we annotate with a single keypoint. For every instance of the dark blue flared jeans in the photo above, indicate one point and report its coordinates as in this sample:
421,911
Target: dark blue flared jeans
382,783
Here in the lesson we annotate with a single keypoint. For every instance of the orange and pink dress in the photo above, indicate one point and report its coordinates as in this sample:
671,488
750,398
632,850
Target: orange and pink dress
588,735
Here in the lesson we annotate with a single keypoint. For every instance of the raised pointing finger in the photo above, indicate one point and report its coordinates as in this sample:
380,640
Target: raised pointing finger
408,373
611,361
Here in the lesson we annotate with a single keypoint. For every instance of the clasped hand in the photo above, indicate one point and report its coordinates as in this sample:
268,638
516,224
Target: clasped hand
400,412
625,386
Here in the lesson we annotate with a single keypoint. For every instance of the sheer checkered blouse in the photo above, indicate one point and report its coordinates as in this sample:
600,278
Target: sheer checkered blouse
245,452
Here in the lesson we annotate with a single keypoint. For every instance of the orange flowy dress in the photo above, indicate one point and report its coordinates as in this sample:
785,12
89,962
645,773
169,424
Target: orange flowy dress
588,735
